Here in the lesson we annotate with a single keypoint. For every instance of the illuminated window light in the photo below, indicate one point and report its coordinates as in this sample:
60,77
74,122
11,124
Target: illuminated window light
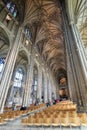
8,18
26,42
36,55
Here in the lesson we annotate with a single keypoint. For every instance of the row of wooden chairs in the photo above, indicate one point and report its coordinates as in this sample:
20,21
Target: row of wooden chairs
11,115
32,107
6,109
66,102
63,107
63,121
63,114
59,114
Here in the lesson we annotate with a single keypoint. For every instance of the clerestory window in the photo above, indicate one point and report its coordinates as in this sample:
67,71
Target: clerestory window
12,8
27,32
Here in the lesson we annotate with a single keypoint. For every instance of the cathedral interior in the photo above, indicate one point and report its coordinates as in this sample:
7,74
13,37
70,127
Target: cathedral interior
43,58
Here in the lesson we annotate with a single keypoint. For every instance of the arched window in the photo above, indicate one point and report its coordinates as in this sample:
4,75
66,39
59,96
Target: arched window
27,32
8,5
38,48
2,61
18,78
12,8
34,85
17,90
35,79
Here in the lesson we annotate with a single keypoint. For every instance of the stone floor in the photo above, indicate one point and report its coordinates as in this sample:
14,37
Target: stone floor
13,127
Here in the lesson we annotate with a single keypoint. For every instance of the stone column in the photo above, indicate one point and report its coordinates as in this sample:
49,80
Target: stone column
80,49
28,83
43,83
72,91
39,92
55,86
7,74
45,88
26,88
81,70
70,53
50,87
70,78
57,91
76,62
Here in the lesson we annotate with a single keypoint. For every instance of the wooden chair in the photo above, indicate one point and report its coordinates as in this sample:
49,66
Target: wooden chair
83,118
64,121
56,122
74,121
38,121
2,121
31,121
24,121
47,122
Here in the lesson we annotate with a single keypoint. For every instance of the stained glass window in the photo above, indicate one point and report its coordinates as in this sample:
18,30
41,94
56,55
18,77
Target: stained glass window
2,60
27,32
18,78
12,8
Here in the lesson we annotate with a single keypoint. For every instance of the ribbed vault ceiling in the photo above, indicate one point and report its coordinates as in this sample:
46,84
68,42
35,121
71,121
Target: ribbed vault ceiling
45,22
82,22
80,17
